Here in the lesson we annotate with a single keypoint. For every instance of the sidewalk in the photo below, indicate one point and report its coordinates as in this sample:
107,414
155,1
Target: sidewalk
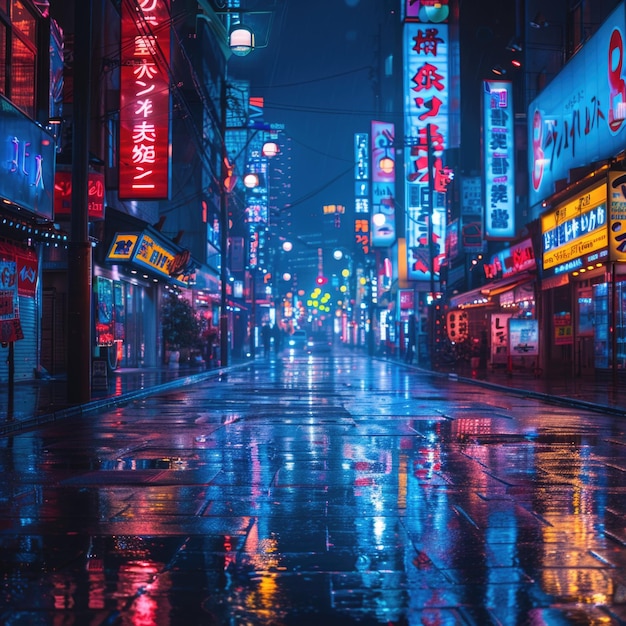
596,392
40,401
45,400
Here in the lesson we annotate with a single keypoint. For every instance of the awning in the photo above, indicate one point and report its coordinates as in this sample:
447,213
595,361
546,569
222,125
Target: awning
497,287
475,297
483,295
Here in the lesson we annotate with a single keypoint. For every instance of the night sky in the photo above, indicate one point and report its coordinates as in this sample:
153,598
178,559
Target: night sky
315,78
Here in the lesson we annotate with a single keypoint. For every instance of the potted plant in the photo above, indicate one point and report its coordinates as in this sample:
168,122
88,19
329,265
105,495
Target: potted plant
181,327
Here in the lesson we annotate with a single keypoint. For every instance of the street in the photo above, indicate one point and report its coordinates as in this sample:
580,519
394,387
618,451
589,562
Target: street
326,489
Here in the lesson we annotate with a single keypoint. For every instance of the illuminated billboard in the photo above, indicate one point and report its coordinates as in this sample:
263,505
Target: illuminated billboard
616,194
144,166
383,226
28,165
426,10
498,160
575,230
63,194
426,113
580,117
362,192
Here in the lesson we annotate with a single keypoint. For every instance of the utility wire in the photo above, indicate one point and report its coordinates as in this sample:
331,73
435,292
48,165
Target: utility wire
321,188
316,80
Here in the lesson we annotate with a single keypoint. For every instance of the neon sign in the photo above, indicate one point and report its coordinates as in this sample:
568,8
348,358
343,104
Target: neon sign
145,101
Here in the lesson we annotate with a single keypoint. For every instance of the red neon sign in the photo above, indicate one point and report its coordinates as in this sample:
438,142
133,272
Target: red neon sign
63,194
145,101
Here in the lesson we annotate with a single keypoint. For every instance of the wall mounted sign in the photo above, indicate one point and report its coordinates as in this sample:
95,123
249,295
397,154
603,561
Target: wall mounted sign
144,166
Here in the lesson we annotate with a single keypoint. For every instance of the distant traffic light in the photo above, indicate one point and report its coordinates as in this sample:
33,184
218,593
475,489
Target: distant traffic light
321,280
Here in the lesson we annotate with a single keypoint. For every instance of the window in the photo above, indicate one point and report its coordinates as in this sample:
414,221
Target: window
3,58
23,21
18,55
23,76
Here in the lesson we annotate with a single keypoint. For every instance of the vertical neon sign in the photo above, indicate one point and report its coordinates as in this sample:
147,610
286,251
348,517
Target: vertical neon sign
383,184
425,105
144,165
498,160
361,192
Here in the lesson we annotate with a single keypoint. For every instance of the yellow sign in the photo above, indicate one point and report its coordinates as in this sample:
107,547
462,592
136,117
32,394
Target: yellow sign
122,247
150,254
331,209
145,251
575,229
617,212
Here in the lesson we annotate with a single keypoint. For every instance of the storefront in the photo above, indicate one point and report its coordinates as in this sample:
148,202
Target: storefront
584,274
500,318
19,311
139,268
26,212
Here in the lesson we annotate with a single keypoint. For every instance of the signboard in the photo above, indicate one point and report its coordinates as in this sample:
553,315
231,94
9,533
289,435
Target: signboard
457,325
523,337
28,162
498,160
145,251
617,215
472,212
383,228
500,338
426,99
580,117
8,288
575,229
63,194
122,247
512,260
452,240
407,299
144,166
426,10
362,192
105,311
563,329
27,272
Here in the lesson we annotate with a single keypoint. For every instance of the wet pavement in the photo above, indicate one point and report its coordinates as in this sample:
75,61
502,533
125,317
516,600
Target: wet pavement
37,402
318,490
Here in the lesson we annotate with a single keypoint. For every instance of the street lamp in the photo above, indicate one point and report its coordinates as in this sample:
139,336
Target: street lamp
241,40
348,291
239,45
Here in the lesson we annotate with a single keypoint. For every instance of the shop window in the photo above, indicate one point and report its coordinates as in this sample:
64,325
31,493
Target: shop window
3,57
586,314
23,76
601,325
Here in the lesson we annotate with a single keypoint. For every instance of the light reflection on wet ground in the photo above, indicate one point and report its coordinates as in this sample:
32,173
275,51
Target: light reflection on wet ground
327,490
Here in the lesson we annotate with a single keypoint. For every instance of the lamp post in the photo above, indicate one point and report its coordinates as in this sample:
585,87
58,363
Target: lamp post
237,46
340,254
225,174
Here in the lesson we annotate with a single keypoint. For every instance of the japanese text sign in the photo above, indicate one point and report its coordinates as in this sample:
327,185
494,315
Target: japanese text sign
498,160
145,101
580,117
426,112
576,228
28,162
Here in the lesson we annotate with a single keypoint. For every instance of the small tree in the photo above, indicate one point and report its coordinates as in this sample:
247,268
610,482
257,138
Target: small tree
181,327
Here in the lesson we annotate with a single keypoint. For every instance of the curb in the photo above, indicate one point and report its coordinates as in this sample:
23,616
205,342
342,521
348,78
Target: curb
525,393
